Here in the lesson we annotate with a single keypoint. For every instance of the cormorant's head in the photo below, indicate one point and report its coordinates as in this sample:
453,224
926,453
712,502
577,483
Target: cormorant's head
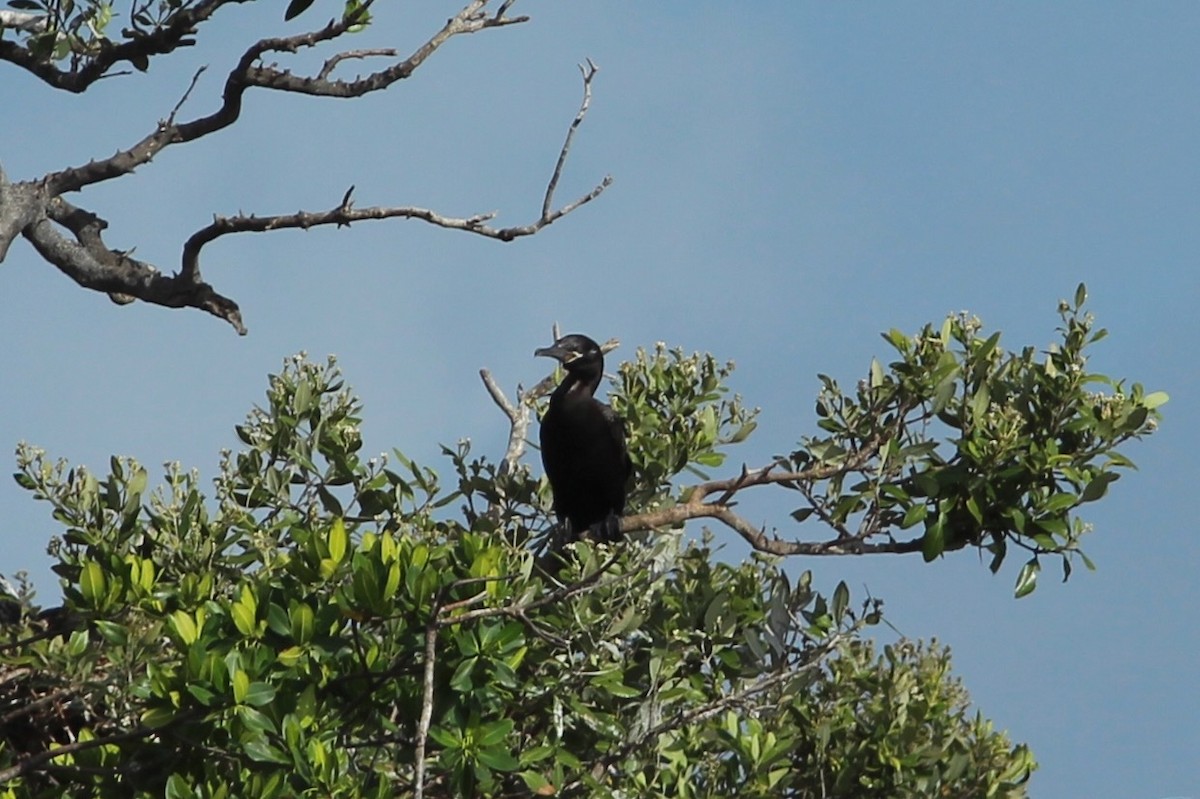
576,352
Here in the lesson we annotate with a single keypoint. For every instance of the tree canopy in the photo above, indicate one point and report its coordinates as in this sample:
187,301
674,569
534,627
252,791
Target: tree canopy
321,622
326,623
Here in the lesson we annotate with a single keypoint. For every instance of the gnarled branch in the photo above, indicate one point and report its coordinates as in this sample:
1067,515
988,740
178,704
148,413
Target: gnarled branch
36,210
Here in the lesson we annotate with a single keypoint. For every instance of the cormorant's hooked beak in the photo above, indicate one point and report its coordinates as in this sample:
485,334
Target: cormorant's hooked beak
556,352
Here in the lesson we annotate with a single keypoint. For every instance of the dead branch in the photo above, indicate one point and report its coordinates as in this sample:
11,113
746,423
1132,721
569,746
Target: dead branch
35,209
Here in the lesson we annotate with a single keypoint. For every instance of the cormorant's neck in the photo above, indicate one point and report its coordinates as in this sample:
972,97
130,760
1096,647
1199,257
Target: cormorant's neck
581,382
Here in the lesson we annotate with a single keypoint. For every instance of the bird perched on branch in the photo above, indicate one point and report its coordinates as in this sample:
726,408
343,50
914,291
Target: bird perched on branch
583,444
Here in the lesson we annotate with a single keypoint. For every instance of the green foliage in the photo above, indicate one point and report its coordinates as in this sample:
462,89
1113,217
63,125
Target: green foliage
329,624
69,28
909,734
678,414
975,445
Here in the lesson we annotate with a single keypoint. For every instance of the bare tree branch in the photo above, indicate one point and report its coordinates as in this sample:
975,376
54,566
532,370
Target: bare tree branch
22,21
470,19
36,210
589,72
332,62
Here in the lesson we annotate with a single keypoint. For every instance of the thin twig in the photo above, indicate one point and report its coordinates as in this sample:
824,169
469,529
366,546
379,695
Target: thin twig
174,111
332,62
589,71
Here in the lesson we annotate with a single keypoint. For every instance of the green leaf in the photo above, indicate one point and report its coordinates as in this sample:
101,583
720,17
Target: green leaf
243,619
92,583
498,759
537,784
291,656
1154,399
337,540
461,681
1060,502
202,694
259,694
184,626
255,720
302,622
77,644
913,515
177,788
494,733
934,541
1027,579
447,738
158,717
897,339
1098,487
1080,295
841,599
259,750
112,632
241,686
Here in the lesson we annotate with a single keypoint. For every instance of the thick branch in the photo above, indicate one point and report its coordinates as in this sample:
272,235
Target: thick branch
20,205
694,506
91,264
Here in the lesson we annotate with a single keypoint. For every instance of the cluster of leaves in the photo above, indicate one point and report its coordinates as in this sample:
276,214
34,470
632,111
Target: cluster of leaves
678,414
973,444
909,735
60,29
328,625
79,29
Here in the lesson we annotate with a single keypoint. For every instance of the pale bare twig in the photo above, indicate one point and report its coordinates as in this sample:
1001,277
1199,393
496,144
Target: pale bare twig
589,72
332,62
431,634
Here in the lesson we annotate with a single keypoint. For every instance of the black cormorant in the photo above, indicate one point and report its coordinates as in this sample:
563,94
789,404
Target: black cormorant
583,444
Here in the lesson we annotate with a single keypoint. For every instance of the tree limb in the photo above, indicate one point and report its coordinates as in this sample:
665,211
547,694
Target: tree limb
36,210
431,634
32,762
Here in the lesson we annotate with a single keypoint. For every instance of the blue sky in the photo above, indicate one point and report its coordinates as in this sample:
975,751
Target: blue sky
791,179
